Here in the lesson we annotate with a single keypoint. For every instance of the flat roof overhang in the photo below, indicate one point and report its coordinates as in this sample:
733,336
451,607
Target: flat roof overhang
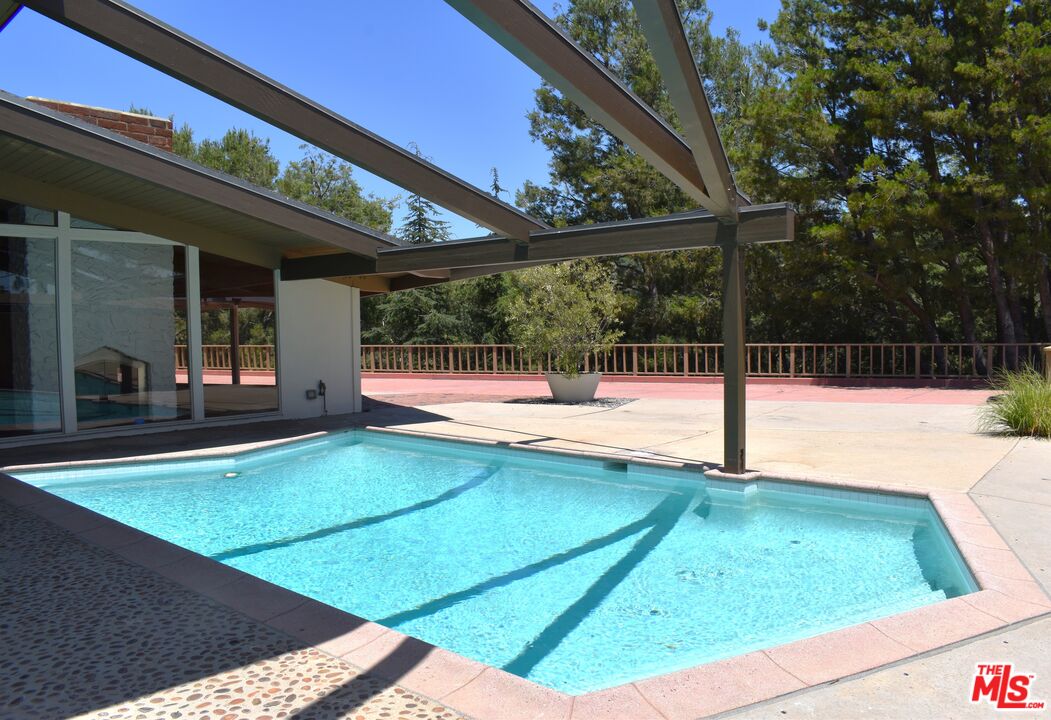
50,159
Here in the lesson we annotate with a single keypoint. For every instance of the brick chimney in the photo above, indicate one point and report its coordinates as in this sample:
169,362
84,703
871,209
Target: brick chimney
154,131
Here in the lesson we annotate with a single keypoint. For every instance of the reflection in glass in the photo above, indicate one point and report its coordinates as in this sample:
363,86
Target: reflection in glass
238,331
75,222
29,377
129,314
15,214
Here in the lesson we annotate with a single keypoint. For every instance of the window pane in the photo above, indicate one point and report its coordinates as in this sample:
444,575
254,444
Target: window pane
129,314
15,214
29,377
238,330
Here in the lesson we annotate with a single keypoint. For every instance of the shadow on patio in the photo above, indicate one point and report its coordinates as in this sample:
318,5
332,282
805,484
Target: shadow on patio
83,631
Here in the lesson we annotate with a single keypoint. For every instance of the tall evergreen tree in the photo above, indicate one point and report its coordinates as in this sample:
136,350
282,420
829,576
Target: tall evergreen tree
915,139
495,188
423,223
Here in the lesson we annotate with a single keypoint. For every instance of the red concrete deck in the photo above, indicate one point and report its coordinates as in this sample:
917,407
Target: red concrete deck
435,390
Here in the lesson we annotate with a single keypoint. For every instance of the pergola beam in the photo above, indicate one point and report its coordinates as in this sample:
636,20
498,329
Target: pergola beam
539,43
143,37
662,25
757,224
8,10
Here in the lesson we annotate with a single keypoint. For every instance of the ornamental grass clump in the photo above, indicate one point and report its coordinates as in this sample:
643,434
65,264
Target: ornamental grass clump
565,312
1022,408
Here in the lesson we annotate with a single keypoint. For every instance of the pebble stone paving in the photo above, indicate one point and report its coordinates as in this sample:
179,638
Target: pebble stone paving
86,634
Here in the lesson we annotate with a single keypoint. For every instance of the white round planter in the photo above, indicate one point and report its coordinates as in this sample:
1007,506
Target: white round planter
576,389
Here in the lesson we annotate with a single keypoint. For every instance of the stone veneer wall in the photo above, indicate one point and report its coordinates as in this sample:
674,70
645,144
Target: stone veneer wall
144,128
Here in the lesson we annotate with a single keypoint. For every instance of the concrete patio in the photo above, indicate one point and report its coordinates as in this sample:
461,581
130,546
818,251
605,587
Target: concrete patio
884,439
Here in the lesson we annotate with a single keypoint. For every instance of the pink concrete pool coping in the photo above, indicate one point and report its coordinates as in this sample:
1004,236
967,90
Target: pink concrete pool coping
1008,594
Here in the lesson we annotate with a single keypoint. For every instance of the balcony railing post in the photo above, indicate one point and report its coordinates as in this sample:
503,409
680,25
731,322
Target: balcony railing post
849,353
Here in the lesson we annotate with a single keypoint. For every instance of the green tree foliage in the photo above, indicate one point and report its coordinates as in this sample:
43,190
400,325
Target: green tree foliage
915,137
327,182
317,179
565,311
425,315
596,178
422,222
495,188
239,153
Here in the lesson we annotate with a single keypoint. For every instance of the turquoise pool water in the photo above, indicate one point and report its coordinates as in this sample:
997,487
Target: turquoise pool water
576,574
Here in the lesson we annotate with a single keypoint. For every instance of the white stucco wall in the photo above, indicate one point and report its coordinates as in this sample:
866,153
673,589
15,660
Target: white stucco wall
318,339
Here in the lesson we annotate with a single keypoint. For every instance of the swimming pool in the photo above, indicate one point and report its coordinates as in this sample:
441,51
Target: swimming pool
577,574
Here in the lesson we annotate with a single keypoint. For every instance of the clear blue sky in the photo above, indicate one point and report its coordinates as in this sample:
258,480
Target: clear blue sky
413,70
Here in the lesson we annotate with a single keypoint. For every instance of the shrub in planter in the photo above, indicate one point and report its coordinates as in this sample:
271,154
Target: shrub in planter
565,311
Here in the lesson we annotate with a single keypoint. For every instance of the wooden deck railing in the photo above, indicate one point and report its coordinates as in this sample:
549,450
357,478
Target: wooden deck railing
217,357
844,360
788,360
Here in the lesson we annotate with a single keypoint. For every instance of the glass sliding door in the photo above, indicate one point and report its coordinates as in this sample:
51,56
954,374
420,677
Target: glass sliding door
129,316
95,329
29,361
238,335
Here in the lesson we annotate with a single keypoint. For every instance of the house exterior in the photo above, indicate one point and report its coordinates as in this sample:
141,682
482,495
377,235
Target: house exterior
70,185
98,324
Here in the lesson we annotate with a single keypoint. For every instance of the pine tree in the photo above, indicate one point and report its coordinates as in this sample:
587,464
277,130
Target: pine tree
495,188
422,222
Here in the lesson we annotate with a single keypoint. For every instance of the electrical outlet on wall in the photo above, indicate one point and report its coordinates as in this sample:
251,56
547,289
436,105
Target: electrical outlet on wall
311,394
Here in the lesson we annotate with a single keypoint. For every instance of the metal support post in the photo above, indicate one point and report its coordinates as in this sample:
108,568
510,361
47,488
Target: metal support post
734,352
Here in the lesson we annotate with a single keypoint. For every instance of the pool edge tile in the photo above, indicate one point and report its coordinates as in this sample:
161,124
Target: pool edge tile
934,626
1006,608
20,494
327,628
198,572
224,451
259,599
1004,563
1025,590
718,686
414,663
498,694
113,535
980,534
615,703
151,552
833,655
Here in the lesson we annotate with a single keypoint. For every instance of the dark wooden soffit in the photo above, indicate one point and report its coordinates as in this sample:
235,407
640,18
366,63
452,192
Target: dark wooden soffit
134,33
43,133
532,37
757,224
662,25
